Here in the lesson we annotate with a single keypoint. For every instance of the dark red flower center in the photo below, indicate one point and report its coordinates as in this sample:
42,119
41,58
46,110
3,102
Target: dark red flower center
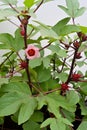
76,77
64,87
31,52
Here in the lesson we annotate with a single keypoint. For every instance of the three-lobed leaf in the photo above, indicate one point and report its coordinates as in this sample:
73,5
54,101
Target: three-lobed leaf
55,124
73,9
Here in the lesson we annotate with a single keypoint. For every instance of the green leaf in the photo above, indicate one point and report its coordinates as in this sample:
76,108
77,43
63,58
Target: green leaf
83,29
80,11
28,3
55,124
10,103
54,48
31,125
43,74
73,9
69,29
73,97
37,116
26,110
83,87
18,87
49,84
64,9
57,28
7,12
83,107
46,62
7,40
62,77
35,62
3,81
80,63
13,2
69,115
72,4
62,53
82,126
46,31
19,42
52,104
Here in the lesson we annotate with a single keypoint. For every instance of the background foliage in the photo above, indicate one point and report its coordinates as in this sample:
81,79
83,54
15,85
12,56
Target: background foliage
47,92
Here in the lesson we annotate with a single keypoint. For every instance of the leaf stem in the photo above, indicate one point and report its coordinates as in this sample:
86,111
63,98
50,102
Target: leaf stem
13,8
12,22
38,6
27,61
72,66
6,59
45,46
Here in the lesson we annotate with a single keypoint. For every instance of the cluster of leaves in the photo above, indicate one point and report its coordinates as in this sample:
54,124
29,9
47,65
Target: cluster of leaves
30,90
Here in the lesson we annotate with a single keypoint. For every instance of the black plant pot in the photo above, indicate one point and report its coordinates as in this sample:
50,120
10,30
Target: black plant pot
10,125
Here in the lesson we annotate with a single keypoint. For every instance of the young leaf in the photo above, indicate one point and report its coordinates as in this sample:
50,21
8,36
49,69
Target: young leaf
64,9
57,28
28,3
80,11
26,110
10,103
72,4
73,9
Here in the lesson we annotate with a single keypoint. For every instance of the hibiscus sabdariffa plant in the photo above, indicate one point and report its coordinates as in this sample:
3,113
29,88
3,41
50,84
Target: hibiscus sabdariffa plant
42,91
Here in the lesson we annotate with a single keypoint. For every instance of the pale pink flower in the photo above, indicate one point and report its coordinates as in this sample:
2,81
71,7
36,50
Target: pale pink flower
32,52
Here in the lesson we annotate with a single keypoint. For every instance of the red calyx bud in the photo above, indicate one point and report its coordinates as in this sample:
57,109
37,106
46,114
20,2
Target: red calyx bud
76,77
76,44
84,38
64,87
78,55
24,21
22,32
21,26
23,65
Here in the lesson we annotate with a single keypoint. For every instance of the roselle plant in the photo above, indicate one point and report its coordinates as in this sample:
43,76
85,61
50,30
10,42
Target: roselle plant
42,91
